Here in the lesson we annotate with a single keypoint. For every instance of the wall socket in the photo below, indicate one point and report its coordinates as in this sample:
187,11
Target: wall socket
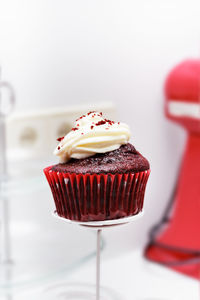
33,134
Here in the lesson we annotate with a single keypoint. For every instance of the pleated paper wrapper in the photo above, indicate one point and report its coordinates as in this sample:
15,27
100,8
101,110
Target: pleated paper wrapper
97,197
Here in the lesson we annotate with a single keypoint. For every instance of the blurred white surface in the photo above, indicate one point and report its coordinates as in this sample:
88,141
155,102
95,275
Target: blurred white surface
42,248
33,134
130,276
136,279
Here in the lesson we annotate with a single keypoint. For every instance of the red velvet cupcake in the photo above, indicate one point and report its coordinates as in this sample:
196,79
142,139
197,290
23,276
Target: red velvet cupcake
100,175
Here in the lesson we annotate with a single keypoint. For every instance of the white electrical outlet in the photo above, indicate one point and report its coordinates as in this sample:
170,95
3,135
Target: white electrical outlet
33,134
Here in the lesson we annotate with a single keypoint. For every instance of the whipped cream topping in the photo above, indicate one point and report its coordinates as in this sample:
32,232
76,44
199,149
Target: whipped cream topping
92,134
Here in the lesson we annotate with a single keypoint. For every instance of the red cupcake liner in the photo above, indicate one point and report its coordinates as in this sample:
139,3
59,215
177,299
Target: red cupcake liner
97,197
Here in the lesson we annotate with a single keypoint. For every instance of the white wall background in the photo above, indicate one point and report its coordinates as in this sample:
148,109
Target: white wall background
61,52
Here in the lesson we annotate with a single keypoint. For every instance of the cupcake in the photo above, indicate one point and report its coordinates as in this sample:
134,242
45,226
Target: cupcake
100,176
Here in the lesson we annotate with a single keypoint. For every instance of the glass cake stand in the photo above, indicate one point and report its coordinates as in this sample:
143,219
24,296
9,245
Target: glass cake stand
80,290
30,243
85,291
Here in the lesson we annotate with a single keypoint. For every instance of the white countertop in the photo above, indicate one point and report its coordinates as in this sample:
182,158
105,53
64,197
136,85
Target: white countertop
131,277
135,278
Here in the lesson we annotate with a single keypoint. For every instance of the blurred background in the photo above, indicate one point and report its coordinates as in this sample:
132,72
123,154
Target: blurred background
64,58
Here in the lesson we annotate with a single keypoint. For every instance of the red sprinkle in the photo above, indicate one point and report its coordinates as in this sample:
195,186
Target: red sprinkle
74,129
91,112
82,133
60,139
92,127
109,121
58,147
102,122
80,118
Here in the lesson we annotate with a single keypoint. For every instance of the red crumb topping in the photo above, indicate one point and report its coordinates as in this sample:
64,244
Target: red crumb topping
102,122
91,112
60,139
80,118
95,113
109,121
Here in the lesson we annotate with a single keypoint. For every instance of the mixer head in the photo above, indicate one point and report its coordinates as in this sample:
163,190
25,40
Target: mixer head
182,92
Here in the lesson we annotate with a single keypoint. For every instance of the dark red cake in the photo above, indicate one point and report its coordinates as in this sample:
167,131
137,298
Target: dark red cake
103,186
123,160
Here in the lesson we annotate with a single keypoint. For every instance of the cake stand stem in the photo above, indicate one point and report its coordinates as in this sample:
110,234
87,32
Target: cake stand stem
98,252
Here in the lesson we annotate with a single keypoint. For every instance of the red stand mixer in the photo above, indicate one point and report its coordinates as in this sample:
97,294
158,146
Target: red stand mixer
175,241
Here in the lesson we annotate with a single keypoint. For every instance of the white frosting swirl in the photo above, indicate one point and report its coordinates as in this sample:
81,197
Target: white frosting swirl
92,134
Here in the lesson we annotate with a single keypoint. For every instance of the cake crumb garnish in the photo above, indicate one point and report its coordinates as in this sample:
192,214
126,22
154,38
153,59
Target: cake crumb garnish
91,112
60,139
80,118
102,122
109,122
